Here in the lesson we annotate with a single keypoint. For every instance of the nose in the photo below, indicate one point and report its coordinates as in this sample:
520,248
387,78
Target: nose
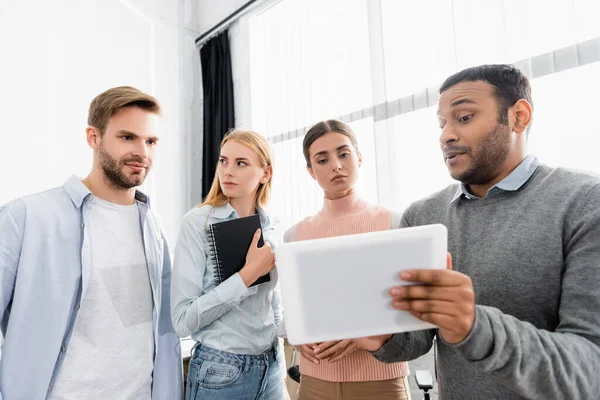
228,171
337,167
448,135
141,150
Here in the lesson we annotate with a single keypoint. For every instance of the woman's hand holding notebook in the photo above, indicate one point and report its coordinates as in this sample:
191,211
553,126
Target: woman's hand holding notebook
259,261
237,245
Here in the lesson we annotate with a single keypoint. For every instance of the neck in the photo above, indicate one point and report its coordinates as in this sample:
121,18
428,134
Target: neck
98,184
505,170
243,206
339,195
343,206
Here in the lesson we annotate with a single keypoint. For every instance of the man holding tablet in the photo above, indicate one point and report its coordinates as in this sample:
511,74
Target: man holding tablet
517,310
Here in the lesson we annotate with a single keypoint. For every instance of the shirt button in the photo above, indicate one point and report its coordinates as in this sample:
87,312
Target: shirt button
82,225
63,348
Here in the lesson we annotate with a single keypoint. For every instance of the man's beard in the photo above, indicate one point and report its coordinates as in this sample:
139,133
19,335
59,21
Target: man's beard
491,153
113,170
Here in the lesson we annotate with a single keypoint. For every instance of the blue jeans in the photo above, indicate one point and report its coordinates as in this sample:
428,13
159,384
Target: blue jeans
216,375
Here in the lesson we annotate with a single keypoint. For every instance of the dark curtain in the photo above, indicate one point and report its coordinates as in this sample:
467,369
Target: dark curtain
218,102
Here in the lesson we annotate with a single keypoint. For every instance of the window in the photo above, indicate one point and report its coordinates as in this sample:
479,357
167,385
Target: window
377,64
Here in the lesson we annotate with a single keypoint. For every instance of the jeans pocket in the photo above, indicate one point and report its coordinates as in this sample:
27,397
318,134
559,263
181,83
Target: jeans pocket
215,375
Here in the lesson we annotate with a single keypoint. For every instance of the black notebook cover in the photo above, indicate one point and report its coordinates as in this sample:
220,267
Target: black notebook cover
229,242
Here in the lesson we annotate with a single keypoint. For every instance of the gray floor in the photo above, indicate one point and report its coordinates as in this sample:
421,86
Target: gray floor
423,362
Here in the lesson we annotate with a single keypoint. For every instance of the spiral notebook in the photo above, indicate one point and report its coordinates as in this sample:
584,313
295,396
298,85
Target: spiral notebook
229,242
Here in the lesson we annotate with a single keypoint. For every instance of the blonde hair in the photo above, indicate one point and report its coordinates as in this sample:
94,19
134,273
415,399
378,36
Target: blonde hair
113,100
259,144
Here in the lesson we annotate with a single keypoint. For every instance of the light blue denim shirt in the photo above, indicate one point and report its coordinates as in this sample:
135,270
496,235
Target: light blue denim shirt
228,317
45,266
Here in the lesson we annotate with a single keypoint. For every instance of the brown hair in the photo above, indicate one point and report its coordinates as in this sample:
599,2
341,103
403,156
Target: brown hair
322,128
113,100
259,144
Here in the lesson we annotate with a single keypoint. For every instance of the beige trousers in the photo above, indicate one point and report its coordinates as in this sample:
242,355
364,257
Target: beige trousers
316,389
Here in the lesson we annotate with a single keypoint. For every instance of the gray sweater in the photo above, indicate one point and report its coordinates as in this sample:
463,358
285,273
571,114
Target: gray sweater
534,257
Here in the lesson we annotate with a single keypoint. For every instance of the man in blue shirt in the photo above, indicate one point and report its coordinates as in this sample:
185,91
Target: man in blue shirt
85,273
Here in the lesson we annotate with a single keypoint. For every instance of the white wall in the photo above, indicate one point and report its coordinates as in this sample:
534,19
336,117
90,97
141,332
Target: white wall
56,56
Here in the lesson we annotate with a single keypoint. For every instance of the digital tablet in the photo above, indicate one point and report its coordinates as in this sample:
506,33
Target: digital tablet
338,288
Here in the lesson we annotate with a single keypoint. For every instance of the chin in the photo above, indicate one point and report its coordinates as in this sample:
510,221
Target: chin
457,173
228,193
340,188
136,180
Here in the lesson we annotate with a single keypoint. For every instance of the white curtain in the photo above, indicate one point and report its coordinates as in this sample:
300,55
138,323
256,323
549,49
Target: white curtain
377,64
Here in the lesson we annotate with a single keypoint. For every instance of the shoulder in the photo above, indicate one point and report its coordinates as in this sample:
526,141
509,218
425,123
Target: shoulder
269,219
16,210
48,202
194,223
378,210
198,214
393,216
290,234
567,179
429,208
580,189
438,199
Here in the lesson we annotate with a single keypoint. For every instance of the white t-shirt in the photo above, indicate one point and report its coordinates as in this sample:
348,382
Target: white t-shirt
111,351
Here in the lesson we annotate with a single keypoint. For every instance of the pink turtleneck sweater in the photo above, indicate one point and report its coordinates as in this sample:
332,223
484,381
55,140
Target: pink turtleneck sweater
346,216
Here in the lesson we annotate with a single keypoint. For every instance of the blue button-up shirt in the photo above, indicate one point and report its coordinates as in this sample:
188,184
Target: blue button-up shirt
228,317
45,268
511,183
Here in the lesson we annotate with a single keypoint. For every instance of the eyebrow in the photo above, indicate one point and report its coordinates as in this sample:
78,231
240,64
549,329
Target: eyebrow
135,135
459,102
324,152
237,159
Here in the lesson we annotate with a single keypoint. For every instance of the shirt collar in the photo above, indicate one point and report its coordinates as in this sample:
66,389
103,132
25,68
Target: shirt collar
223,212
226,211
511,183
78,192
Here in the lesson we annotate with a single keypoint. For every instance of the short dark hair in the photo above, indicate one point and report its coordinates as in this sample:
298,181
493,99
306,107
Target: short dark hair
322,128
510,84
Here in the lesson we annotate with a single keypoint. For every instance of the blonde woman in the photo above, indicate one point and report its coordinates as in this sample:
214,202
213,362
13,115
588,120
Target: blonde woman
236,355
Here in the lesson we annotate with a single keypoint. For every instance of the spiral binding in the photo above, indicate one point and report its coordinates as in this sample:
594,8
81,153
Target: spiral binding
214,254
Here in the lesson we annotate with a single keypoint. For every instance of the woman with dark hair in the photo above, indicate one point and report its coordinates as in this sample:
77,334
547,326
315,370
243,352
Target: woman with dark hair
340,369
